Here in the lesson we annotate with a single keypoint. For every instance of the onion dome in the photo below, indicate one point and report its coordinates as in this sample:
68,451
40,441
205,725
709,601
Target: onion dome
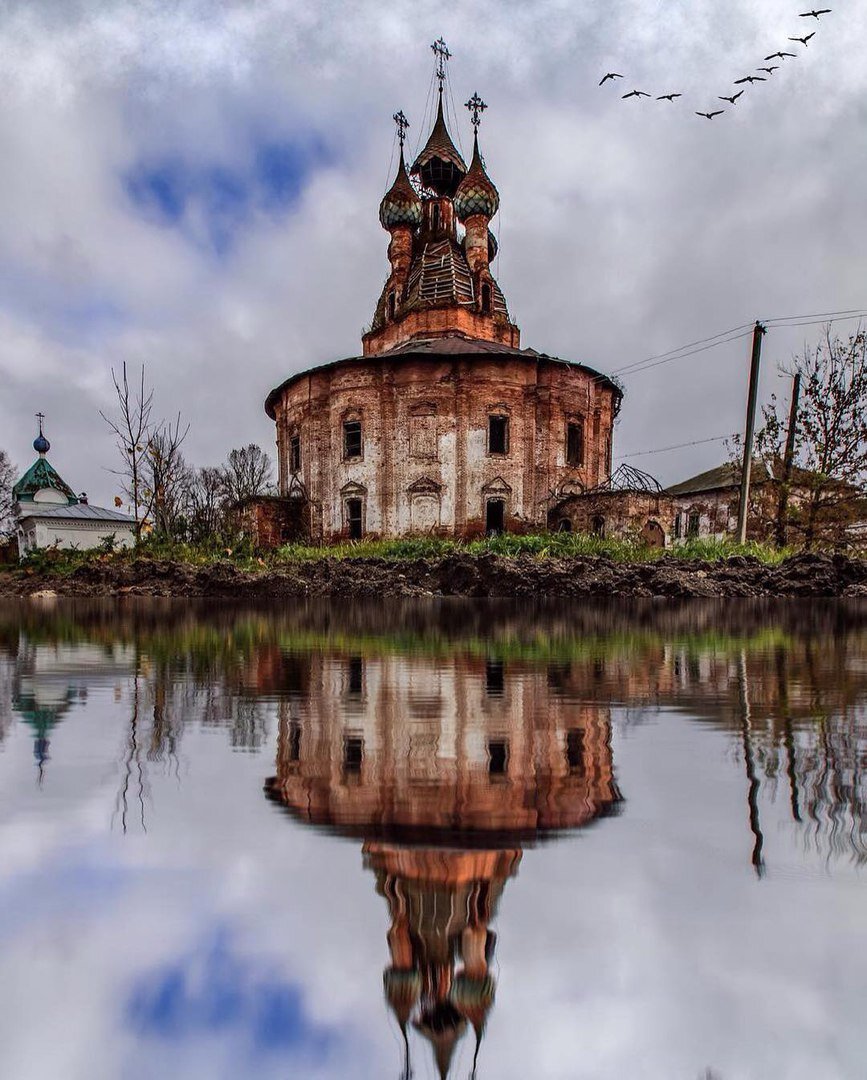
40,444
493,246
476,193
439,165
401,204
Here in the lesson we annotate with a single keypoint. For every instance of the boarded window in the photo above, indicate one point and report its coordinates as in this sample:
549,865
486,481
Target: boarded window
353,754
575,751
294,741
498,434
352,438
295,454
693,523
355,518
423,436
498,757
575,442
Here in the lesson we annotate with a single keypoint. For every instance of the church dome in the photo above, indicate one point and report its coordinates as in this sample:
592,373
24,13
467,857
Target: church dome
476,193
401,204
439,165
40,444
493,246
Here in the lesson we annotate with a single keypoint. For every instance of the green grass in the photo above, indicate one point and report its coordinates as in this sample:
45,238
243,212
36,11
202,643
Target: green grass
537,545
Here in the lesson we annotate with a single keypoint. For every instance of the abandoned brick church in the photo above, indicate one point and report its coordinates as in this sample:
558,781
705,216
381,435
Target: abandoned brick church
444,424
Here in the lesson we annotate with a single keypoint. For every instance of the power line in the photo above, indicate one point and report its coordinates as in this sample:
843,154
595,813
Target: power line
816,315
647,365
677,446
689,345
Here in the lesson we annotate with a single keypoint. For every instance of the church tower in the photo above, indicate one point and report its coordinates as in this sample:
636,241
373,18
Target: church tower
441,245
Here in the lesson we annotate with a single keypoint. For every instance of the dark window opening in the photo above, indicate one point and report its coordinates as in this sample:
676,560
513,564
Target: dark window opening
486,299
575,443
392,304
295,454
575,751
494,677
495,517
564,525
678,528
435,218
597,526
558,676
294,741
498,757
353,753
692,524
354,523
498,434
356,674
352,438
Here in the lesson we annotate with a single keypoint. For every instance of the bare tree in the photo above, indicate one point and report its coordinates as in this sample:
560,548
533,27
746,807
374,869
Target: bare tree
206,505
167,477
829,483
7,511
132,429
246,474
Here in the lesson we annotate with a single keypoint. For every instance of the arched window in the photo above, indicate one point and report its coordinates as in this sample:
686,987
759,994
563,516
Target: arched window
392,304
598,526
486,299
564,525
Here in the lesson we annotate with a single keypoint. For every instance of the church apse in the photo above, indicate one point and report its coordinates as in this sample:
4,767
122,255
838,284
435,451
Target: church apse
445,769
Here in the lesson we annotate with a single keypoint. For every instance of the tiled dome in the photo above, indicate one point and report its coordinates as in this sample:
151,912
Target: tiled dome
401,204
476,193
439,165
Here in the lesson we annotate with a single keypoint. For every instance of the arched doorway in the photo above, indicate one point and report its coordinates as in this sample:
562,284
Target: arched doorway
652,535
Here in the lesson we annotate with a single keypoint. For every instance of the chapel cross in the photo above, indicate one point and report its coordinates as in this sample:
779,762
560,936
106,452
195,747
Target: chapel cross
402,125
476,107
40,417
442,56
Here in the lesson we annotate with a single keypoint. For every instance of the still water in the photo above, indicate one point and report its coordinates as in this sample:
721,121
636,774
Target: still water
433,839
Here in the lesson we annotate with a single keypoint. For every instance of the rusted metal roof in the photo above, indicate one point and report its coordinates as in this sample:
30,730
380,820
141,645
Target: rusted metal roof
439,165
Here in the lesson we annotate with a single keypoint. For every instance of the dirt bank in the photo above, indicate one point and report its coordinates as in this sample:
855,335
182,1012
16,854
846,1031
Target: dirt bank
459,575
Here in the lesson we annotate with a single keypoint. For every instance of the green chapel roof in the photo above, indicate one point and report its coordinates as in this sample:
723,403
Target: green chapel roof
41,475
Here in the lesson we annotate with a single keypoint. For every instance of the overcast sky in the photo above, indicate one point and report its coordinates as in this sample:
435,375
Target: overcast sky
194,186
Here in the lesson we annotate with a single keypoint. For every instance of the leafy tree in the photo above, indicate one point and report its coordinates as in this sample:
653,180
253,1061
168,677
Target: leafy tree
7,480
829,479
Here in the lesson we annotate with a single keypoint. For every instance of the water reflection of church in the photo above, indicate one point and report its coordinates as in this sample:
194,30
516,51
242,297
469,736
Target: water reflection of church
445,769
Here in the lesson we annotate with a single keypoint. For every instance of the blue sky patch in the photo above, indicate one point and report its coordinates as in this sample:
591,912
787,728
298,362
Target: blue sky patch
213,202
212,991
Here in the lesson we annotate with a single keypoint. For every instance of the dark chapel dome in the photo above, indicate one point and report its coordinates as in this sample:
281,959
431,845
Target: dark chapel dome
440,166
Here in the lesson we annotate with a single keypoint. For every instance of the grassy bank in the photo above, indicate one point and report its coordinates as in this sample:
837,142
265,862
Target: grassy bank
540,545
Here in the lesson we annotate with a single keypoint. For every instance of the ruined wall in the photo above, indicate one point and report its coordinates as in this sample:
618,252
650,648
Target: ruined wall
432,321
617,514
426,465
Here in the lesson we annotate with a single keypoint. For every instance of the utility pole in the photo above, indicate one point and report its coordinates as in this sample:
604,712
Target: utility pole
788,461
758,333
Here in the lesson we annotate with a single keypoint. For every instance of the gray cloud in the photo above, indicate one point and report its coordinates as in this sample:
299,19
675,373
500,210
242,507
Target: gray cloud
627,228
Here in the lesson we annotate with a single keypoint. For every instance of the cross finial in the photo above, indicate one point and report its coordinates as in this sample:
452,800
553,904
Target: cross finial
402,125
476,107
40,417
441,58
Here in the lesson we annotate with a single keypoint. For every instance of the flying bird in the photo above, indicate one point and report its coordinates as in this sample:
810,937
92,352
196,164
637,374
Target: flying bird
750,79
636,93
732,99
815,14
668,97
711,115
803,40
780,55
610,75
770,70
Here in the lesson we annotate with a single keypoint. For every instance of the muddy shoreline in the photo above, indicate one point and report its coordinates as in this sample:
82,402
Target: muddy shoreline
804,575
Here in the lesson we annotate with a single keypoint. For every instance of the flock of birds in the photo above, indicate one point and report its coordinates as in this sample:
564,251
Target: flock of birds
749,79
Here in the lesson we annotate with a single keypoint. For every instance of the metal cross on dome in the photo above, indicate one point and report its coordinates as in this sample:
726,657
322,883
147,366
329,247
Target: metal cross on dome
442,56
40,417
402,125
476,107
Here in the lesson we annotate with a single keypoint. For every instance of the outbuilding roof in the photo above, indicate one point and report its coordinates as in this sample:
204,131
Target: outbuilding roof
39,476
721,478
78,512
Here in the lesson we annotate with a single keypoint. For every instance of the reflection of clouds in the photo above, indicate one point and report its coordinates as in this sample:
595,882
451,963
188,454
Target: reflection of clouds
213,990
